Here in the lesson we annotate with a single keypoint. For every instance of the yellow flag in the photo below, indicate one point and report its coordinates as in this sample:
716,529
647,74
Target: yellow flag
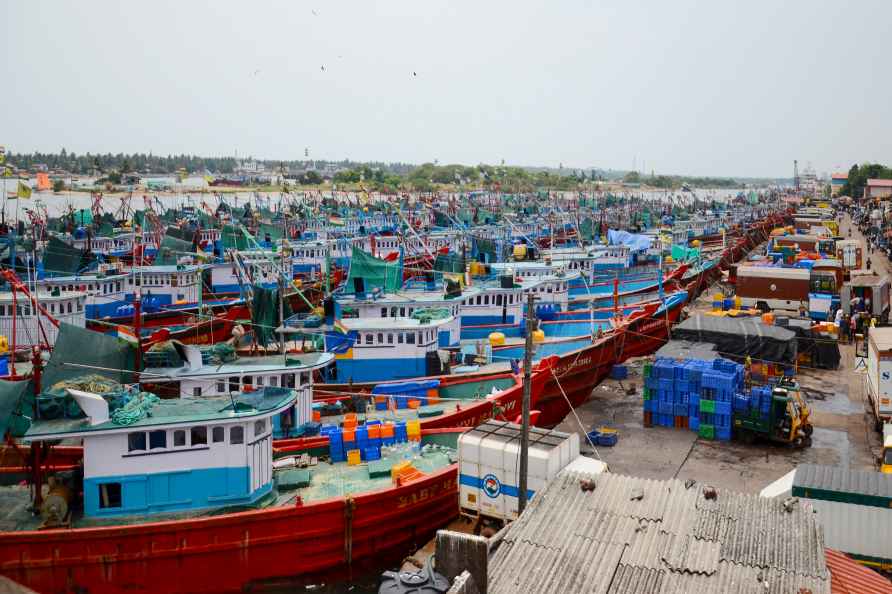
24,190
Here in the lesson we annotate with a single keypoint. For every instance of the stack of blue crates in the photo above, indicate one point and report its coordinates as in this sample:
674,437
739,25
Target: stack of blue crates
677,391
336,448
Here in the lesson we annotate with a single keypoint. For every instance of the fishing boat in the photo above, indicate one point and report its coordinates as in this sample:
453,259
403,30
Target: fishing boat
153,522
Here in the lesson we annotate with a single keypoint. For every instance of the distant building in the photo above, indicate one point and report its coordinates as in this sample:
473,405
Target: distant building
879,189
837,181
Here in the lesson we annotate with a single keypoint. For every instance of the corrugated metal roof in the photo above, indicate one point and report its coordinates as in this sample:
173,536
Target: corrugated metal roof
849,577
632,535
844,480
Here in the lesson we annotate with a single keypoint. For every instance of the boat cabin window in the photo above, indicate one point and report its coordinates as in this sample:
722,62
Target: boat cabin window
136,442
196,392
402,312
236,435
233,383
288,380
380,338
247,380
179,438
199,436
221,385
400,338
259,427
157,439
259,381
392,312
274,381
383,312
109,495
410,338
217,434
368,338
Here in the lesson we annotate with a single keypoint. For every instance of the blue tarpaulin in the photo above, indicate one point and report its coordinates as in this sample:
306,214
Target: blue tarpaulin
633,240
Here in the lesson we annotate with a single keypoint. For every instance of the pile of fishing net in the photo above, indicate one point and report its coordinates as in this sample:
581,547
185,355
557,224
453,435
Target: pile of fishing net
126,405
165,354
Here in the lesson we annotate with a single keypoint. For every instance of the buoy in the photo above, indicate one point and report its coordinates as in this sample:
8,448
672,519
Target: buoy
538,336
520,252
496,339
4,344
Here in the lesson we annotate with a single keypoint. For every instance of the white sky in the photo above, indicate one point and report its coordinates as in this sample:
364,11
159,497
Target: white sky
682,86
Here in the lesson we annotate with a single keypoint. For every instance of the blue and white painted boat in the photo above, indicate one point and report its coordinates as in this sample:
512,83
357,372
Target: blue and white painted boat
188,454
159,286
404,304
370,349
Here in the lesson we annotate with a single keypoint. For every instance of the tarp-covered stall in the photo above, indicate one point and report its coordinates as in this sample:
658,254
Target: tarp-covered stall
738,337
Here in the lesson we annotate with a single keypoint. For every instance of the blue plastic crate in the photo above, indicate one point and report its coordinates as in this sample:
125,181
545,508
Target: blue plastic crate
666,395
619,372
694,423
652,383
681,410
721,420
707,418
678,371
388,441
694,410
682,386
666,384
723,433
666,408
683,397
380,406
649,405
608,439
722,407
740,403
327,429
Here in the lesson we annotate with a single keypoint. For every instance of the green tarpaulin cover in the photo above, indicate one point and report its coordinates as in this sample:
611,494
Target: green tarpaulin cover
387,276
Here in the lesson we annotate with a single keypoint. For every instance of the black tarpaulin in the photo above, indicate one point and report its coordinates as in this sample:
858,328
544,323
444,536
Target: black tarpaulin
739,337
823,352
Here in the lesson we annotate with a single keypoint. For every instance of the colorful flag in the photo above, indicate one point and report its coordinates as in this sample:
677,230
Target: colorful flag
126,333
24,190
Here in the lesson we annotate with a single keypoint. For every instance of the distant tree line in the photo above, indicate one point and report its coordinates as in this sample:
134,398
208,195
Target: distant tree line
858,176
378,176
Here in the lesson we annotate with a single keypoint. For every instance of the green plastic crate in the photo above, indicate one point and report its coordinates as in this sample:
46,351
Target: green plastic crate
706,431
646,392
379,468
707,406
645,371
294,478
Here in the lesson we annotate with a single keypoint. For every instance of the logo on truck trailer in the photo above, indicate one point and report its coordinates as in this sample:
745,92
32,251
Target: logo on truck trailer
491,485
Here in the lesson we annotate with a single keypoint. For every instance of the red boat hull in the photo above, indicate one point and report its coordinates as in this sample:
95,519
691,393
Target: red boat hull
227,553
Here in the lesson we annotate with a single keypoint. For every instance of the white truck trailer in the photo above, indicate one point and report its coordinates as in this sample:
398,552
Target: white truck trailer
879,374
489,463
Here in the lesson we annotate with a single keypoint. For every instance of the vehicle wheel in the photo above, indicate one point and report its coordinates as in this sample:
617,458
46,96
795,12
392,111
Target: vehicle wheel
797,443
763,307
806,442
808,430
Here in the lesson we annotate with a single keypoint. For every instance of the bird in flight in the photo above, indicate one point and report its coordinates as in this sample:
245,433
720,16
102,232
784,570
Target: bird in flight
256,72
314,12
322,68
414,73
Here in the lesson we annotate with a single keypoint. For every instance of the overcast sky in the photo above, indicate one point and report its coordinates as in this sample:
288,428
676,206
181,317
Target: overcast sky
708,87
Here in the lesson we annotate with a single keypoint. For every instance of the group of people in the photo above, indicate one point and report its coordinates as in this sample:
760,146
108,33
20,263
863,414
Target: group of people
858,322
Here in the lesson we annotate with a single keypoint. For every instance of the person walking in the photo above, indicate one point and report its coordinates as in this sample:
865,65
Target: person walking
868,262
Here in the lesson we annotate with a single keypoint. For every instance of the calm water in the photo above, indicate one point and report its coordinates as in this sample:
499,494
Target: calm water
194,190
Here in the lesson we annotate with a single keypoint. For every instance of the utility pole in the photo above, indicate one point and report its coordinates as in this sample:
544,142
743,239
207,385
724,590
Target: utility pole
525,409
